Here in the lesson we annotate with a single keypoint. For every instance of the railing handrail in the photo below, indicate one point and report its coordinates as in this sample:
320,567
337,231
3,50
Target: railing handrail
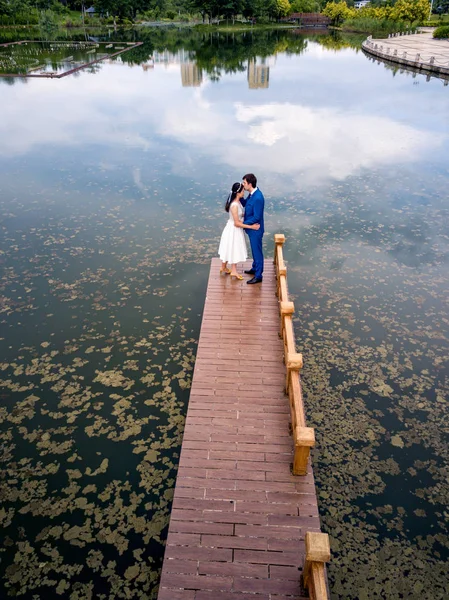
303,436
317,544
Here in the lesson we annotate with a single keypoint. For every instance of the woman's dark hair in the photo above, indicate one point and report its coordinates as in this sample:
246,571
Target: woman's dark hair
251,179
236,189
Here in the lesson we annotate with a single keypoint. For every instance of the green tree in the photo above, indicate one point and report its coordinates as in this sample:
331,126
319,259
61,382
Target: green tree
155,8
43,4
123,9
305,6
443,4
337,12
278,8
206,8
17,6
282,8
15,9
257,8
410,10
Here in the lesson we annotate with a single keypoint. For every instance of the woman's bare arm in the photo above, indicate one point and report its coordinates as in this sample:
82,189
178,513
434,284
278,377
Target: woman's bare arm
238,223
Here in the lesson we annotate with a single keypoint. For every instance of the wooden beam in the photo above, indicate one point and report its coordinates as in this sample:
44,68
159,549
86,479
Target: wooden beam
289,338
283,291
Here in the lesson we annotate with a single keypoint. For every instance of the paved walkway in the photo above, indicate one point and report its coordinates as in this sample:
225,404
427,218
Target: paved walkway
239,517
433,54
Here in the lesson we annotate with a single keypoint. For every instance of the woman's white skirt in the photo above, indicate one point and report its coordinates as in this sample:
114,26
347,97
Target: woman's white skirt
232,247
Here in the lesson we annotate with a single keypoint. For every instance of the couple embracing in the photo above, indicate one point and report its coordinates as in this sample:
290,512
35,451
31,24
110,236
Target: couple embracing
245,214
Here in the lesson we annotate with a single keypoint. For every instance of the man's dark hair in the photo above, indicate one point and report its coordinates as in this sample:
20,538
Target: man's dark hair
251,179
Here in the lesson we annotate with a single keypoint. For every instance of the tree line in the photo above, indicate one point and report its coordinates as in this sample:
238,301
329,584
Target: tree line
27,11
259,11
406,11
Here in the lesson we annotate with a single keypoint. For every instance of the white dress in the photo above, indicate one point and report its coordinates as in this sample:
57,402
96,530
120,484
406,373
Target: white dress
232,247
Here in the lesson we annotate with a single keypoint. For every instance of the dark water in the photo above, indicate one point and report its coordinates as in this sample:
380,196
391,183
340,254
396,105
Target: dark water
112,184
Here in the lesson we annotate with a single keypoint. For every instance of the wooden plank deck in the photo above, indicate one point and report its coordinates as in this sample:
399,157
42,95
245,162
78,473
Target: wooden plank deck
239,517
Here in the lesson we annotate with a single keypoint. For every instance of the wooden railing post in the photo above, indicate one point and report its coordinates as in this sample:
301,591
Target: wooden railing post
286,308
279,241
280,268
318,553
293,363
304,438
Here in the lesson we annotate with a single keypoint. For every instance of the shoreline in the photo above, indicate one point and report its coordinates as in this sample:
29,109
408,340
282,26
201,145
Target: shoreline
419,51
177,24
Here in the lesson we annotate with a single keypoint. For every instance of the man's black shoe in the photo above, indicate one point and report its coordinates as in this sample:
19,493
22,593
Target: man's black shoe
250,272
255,280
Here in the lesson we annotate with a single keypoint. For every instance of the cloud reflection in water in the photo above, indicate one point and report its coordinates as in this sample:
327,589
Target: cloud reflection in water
308,144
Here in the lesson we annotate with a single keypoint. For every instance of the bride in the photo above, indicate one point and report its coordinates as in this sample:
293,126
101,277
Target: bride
232,247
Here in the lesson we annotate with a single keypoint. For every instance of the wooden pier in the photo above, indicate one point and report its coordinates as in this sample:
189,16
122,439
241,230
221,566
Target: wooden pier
241,522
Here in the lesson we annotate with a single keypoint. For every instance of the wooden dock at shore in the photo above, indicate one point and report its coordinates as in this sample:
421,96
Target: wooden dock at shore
241,521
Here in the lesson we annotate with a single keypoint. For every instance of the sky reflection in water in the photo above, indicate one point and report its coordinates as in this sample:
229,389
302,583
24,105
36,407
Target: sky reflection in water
298,128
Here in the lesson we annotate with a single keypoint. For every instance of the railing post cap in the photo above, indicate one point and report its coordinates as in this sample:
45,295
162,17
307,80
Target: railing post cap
287,308
304,436
294,361
317,547
279,238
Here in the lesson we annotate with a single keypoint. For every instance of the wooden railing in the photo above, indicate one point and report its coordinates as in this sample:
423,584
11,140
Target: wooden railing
318,553
317,544
303,437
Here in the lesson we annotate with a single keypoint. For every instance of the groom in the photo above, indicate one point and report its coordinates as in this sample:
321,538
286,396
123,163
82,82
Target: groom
254,205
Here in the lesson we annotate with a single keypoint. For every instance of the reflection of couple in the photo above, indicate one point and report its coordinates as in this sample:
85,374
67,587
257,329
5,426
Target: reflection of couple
244,214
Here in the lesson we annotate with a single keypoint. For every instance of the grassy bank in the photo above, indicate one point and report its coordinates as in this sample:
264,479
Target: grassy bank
437,20
229,27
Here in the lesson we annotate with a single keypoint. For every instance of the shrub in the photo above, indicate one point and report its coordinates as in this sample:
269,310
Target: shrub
47,20
441,32
263,21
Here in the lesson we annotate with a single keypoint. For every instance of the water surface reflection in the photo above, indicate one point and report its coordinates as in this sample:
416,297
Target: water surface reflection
112,191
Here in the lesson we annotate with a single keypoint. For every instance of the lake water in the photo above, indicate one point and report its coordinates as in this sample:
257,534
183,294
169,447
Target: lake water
112,185
57,58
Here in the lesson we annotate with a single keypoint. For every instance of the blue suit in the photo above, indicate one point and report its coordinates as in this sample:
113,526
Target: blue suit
254,206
